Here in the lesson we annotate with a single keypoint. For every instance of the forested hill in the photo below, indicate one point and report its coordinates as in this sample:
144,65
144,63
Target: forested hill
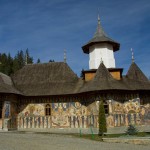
9,64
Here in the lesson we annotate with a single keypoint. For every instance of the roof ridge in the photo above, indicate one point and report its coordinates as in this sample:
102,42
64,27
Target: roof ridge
42,63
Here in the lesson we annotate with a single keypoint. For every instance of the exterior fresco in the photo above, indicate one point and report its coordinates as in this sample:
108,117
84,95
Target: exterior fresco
76,115
6,109
10,115
130,112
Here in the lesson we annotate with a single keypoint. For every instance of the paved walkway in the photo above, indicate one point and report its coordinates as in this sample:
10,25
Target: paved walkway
32,141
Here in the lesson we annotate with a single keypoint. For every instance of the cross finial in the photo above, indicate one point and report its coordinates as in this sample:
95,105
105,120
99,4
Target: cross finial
132,55
65,57
98,18
26,59
101,60
101,57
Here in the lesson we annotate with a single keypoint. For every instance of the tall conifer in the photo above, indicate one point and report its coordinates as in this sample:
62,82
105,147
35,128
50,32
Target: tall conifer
102,119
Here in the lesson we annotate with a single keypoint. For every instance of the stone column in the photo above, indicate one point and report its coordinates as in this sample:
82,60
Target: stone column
72,123
33,125
110,106
49,121
126,120
85,121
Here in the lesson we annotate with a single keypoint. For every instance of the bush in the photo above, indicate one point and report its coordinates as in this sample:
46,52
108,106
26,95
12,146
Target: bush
102,119
131,130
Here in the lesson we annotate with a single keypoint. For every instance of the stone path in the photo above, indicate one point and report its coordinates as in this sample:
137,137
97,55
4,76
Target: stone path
32,141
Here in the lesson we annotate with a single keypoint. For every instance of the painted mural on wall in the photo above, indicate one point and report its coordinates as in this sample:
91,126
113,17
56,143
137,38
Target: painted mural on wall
10,115
130,112
145,114
77,115
6,109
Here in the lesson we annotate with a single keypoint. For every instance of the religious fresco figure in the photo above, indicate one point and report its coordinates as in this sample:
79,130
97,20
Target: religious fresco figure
110,121
7,109
82,121
38,122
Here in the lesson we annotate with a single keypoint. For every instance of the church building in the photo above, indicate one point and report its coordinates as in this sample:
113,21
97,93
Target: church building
51,95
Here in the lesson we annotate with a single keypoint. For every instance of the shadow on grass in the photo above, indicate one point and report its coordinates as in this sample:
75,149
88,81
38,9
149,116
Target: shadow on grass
96,137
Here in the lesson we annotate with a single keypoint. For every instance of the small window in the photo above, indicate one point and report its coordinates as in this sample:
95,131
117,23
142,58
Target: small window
106,107
48,110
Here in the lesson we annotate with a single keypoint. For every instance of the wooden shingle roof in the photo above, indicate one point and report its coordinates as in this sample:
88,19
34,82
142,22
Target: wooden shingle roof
45,79
103,80
6,85
100,37
136,79
57,78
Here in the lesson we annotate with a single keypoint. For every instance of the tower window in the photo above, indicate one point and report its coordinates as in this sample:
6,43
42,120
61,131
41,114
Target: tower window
106,107
48,110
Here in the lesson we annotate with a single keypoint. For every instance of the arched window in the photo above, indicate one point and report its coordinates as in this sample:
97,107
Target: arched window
106,107
48,110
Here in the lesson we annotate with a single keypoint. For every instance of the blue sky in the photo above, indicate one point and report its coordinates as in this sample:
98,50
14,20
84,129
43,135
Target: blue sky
47,27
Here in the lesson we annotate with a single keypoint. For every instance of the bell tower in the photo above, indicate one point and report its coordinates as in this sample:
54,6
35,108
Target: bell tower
101,48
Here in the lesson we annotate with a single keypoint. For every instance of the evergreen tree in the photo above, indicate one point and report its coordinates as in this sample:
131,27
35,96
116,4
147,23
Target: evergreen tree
16,65
20,58
3,65
9,65
28,59
38,61
51,60
82,74
102,119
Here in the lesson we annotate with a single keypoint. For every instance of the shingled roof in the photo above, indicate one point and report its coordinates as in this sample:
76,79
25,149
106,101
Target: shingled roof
55,78
135,72
103,80
136,79
100,37
6,85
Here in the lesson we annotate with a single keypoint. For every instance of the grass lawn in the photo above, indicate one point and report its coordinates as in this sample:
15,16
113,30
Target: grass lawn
99,138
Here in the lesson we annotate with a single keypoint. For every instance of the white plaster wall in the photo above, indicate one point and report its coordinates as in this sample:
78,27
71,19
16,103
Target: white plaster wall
101,52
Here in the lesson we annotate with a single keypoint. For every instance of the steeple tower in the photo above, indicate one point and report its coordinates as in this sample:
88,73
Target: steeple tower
101,47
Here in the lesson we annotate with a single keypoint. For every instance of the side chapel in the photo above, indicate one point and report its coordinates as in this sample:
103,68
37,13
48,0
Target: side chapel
51,95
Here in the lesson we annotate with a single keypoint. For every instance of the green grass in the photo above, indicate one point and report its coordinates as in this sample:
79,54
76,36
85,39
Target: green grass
96,137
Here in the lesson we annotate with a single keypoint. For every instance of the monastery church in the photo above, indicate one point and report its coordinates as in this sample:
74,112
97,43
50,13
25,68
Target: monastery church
51,95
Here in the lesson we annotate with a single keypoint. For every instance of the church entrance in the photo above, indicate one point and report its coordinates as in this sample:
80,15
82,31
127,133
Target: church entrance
1,106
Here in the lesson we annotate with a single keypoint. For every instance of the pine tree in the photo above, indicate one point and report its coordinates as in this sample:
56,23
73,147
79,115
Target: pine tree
102,119
38,61
28,59
9,64
82,73
21,60
51,60
3,65
16,65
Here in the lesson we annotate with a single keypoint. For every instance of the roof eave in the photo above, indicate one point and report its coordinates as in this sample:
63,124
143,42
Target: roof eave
85,48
